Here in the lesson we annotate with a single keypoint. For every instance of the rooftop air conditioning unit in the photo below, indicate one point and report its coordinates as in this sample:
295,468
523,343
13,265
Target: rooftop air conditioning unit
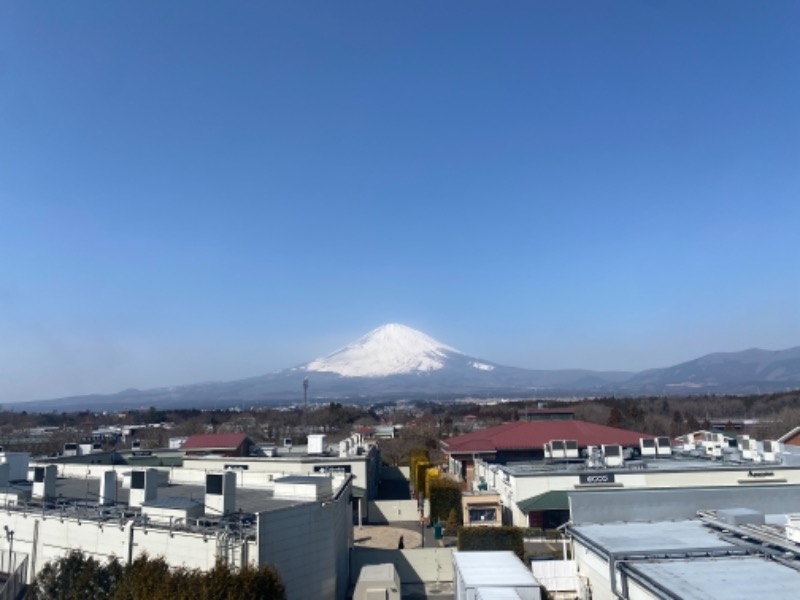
571,448
612,455
220,493
316,443
44,482
663,446
144,487
647,447
749,449
70,449
771,450
557,449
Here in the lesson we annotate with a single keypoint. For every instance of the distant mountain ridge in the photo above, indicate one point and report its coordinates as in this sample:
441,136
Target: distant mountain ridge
396,361
748,371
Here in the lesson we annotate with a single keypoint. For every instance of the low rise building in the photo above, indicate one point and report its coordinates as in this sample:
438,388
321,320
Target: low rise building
301,524
535,493
698,544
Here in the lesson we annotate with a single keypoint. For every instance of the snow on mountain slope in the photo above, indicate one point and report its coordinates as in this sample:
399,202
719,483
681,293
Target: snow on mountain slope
391,349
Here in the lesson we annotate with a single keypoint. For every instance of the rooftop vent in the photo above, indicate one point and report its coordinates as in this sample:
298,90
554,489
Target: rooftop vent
316,443
44,482
220,493
70,449
108,488
144,486
344,448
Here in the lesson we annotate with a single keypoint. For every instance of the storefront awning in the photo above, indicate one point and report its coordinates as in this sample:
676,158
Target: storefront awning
553,500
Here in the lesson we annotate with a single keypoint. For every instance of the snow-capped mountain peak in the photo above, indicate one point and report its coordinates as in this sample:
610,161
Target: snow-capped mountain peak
391,349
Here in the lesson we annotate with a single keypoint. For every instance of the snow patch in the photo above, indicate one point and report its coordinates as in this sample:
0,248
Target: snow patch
481,366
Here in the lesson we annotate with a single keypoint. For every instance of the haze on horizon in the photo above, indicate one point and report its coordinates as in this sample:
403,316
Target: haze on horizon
195,191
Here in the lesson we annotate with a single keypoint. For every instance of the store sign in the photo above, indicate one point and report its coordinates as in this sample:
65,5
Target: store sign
596,478
331,468
760,474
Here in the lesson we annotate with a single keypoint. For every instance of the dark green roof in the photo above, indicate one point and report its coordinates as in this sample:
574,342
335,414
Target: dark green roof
552,500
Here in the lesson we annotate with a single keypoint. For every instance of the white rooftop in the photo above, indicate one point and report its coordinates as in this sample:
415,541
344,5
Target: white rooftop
492,569
494,593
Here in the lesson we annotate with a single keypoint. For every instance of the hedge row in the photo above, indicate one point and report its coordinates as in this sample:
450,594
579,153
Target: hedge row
492,538
80,577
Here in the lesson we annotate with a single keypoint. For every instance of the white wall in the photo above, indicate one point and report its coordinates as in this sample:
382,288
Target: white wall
595,569
261,471
391,511
49,537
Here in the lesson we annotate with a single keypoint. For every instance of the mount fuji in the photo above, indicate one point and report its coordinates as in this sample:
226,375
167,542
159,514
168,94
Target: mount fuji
395,362
392,349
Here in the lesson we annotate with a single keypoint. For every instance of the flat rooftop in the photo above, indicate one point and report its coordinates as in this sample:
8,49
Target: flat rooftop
492,569
696,560
730,577
662,535
78,497
677,463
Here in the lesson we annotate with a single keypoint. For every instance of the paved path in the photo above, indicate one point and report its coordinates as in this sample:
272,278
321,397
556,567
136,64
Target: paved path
386,536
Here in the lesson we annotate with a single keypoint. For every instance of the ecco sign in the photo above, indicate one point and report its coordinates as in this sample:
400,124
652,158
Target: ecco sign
596,478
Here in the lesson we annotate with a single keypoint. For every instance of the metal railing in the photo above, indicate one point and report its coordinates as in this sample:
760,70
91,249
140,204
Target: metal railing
15,582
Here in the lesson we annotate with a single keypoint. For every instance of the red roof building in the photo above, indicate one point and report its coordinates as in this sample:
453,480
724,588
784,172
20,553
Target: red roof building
525,441
223,444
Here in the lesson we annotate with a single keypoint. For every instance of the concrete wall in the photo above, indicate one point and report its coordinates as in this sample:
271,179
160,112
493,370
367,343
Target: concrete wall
663,505
391,511
419,565
310,545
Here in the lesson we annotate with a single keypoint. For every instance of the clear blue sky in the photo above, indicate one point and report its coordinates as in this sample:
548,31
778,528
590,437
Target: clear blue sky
211,190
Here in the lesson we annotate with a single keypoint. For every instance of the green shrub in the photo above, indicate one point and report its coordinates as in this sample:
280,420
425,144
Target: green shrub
445,497
491,538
